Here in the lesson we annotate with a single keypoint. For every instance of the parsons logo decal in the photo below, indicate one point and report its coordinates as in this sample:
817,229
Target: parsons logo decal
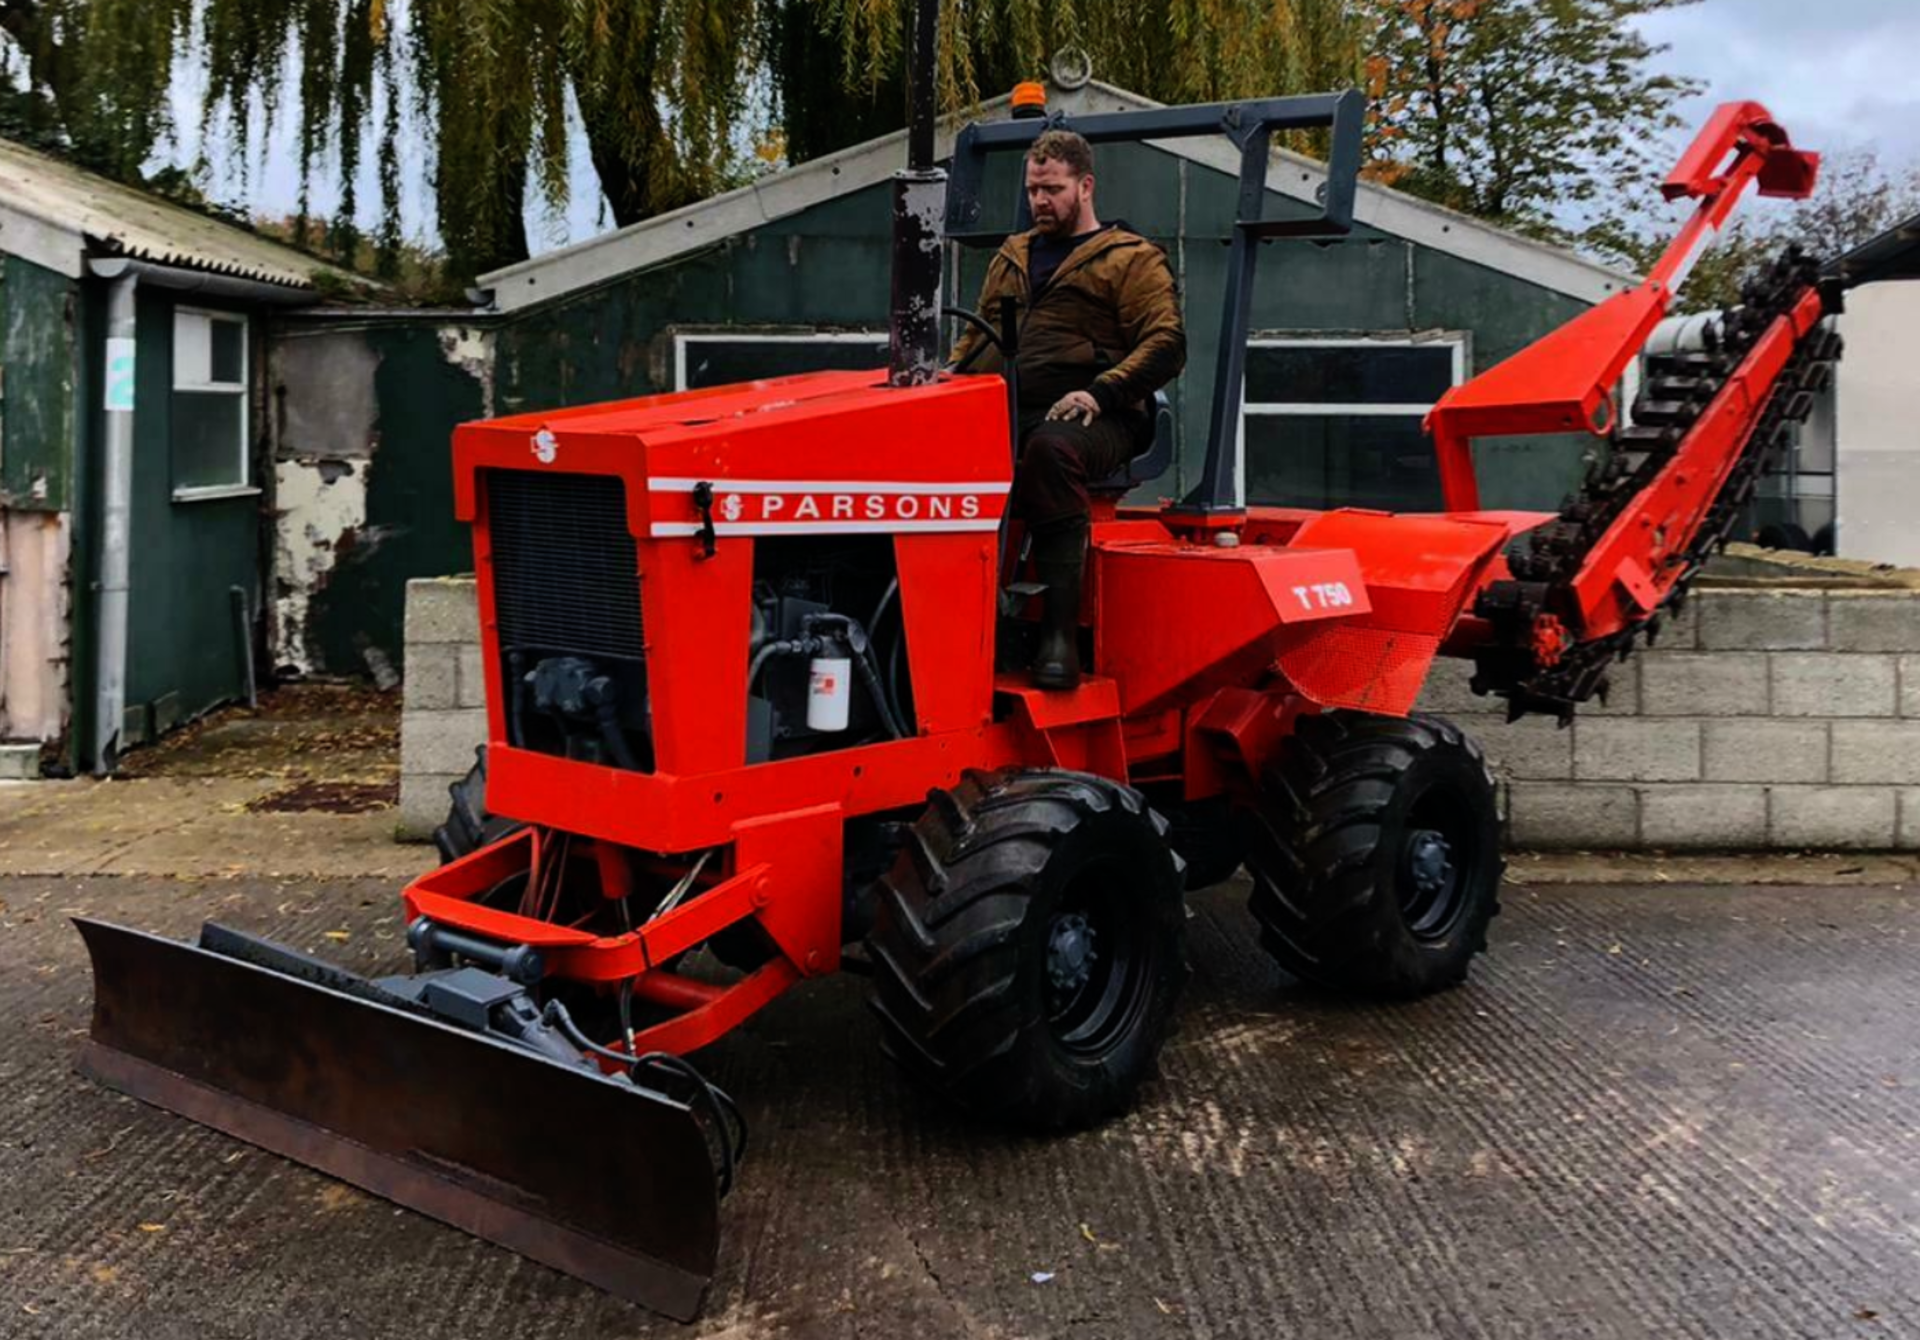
545,446
773,507
779,507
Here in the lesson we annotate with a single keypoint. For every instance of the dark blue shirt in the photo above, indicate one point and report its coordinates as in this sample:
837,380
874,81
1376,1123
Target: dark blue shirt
1048,254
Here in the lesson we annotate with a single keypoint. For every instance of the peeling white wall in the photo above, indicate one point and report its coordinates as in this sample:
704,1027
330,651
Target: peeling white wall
34,632
327,437
471,351
327,428
319,504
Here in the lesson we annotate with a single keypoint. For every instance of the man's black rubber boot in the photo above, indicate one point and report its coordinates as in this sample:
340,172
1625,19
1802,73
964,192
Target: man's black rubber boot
1060,561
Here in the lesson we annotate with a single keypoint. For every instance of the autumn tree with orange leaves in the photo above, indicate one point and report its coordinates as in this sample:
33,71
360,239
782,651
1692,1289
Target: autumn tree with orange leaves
1515,110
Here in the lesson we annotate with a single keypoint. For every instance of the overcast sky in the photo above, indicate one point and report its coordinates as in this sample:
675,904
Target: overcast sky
1838,73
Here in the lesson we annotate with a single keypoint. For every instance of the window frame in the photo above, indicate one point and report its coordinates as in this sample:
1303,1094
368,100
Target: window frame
683,339
242,392
1456,341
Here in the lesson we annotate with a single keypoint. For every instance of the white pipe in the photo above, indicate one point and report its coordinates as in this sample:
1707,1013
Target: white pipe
116,517
1682,334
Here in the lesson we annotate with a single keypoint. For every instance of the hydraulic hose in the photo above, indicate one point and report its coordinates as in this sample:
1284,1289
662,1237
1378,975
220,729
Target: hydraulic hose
607,713
870,676
731,1125
892,683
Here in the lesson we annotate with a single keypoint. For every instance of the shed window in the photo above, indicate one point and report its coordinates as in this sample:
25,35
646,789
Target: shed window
1336,423
209,410
718,359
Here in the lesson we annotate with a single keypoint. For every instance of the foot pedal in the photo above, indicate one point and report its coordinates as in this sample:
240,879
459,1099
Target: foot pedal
1015,595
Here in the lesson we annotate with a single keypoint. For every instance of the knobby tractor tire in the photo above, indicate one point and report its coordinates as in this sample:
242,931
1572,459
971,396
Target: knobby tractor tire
469,827
1029,946
1375,853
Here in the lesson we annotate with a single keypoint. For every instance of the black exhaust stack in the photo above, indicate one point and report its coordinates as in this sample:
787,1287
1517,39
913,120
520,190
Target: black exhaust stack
919,198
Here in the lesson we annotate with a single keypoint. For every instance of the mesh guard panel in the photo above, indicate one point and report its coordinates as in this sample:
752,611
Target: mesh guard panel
566,574
1366,669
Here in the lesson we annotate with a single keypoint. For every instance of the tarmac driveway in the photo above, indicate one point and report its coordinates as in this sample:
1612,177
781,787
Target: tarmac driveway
1654,1111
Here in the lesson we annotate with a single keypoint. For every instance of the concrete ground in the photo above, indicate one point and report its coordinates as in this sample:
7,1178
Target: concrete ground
1658,1109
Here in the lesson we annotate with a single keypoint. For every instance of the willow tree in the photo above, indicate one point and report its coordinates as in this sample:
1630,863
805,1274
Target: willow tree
658,86
90,78
839,65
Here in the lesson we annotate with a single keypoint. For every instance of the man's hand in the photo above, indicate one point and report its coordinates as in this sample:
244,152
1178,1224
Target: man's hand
1075,406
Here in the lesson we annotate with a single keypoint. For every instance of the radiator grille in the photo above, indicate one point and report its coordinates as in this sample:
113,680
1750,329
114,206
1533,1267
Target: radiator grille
566,576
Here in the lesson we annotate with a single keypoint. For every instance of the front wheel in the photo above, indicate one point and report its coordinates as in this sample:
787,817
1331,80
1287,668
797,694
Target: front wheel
1029,946
469,827
1375,852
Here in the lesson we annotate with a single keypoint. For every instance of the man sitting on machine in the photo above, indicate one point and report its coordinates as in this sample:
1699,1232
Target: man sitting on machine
1100,332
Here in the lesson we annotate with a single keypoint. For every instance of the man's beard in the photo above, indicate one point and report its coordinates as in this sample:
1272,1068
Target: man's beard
1064,224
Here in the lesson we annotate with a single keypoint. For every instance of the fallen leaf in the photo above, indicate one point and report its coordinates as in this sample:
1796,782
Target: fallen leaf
339,1196
338,935
1087,1233
107,1148
1160,1303
153,1228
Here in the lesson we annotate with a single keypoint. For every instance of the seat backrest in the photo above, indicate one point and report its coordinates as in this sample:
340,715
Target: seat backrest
1152,462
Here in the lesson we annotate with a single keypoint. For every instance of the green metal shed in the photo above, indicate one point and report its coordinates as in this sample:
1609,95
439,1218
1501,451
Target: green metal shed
131,500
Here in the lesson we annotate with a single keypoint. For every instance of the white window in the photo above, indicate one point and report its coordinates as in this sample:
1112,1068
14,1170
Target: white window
1336,422
720,358
209,407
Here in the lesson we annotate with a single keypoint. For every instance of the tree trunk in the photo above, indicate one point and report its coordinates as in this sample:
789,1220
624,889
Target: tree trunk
1436,89
629,179
477,246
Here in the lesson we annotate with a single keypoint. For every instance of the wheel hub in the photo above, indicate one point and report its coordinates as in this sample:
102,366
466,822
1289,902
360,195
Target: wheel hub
1070,953
1429,862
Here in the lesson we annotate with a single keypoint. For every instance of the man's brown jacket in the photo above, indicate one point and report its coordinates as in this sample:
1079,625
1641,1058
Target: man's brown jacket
1108,322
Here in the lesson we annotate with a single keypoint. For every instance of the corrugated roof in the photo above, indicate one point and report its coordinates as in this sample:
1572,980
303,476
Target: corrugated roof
120,220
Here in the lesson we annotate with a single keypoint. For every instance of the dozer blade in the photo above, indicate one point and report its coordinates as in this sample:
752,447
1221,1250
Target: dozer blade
589,1174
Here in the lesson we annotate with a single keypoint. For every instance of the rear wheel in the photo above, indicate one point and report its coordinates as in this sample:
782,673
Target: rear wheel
1375,854
1029,946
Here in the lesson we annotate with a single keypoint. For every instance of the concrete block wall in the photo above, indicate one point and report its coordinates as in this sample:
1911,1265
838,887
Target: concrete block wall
443,716
1763,719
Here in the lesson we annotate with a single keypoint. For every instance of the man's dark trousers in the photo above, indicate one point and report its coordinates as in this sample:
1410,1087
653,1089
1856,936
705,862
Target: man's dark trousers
1058,461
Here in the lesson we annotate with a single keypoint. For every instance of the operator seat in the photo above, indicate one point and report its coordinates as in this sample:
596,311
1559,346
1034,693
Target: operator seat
1152,462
